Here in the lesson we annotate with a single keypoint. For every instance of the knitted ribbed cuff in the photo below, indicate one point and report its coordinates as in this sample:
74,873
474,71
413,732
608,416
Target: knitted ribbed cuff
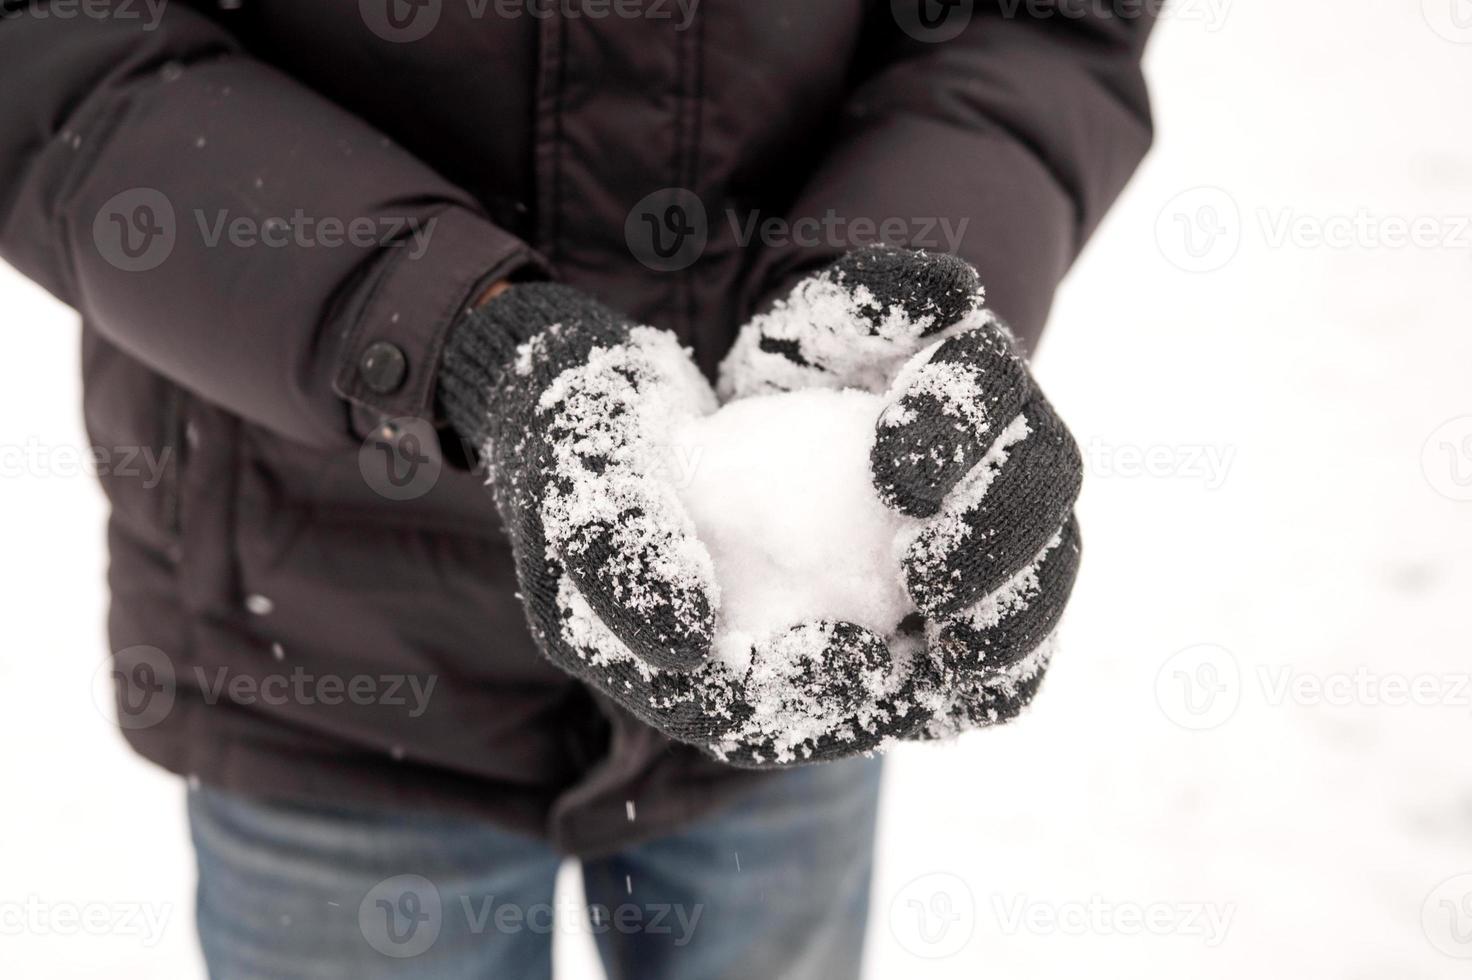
482,345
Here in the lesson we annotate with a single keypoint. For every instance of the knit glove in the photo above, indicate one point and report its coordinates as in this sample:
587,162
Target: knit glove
570,407
966,442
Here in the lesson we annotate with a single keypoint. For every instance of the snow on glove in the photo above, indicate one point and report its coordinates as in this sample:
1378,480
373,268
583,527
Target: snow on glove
966,441
571,406
567,402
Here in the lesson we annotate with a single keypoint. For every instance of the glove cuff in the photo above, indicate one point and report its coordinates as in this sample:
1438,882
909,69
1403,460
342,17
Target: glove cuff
480,351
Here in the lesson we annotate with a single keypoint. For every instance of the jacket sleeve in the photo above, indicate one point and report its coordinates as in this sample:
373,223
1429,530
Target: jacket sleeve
224,224
1005,143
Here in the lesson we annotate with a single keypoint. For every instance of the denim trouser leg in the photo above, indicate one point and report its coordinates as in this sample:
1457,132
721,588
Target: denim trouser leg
287,892
775,887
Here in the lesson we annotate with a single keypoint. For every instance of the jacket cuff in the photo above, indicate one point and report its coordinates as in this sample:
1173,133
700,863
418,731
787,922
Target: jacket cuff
406,307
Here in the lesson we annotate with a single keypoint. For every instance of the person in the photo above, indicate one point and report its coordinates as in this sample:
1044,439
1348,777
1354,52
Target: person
336,263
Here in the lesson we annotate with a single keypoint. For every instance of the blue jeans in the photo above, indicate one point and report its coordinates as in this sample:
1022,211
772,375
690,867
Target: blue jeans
775,887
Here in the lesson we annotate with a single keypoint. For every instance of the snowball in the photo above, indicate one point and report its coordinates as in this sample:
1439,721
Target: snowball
779,489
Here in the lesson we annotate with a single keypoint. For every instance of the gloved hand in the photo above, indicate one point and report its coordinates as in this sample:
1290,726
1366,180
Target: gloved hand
565,400
570,406
966,441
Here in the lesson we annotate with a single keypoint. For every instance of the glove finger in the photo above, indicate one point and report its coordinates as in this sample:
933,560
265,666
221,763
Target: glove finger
926,292
650,583
950,408
1000,517
1008,624
820,691
621,530
992,699
985,706
852,324
824,666
698,706
805,696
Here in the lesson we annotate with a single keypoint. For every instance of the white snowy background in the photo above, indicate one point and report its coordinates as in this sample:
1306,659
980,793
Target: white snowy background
1222,777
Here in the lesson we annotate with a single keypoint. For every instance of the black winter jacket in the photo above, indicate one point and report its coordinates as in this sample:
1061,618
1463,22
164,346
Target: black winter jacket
268,213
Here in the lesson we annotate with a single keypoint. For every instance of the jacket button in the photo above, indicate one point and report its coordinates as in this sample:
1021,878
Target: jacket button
383,367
